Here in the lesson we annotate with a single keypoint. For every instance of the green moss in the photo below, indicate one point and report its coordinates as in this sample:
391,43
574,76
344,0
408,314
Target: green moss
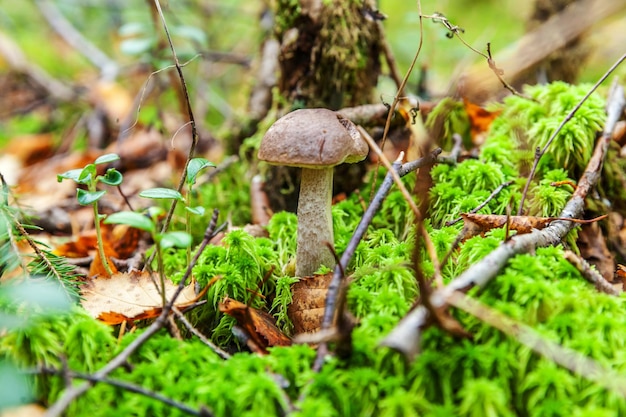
447,118
492,374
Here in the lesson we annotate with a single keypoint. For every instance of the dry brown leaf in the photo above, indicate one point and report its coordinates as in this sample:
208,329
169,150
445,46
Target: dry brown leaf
257,324
476,224
97,269
593,249
309,298
30,149
130,296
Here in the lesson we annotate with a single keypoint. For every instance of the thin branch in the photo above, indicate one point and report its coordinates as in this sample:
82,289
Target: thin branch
563,123
430,247
453,157
396,178
400,91
180,316
192,120
493,194
127,386
590,274
456,31
335,284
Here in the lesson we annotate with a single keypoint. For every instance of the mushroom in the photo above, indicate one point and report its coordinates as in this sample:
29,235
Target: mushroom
315,140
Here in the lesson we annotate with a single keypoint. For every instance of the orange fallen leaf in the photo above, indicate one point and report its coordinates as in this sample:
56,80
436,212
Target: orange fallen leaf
130,296
30,149
480,120
120,241
257,324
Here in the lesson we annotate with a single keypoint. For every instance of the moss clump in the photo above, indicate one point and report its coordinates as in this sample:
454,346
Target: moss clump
508,153
530,124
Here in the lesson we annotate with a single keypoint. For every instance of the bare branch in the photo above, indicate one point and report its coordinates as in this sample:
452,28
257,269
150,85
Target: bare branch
590,274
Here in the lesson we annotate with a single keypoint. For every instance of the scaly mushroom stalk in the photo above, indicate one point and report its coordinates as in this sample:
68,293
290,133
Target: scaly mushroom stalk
315,223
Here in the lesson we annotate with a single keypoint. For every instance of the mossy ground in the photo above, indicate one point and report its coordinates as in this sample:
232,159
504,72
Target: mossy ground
490,375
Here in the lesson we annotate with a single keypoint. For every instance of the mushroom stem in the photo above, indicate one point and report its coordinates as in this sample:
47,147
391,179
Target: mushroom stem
315,222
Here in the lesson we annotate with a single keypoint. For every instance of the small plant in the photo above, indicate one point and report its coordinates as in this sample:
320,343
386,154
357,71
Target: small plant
89,177
161,240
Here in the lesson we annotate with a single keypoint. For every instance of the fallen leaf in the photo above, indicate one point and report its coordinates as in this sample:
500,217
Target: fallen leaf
309,298
476,224
30,149
480,121
120,241
259,326
593,249
130,296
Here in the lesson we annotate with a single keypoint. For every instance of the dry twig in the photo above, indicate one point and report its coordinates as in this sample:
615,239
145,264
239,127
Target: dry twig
108,68
127,386
590,274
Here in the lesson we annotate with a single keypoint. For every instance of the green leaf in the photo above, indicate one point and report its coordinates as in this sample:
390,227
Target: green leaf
136,220
128,30
104,159
72,174
196,210
112,177
87,174
86,198
194,167
155,213
192,33
136,46
175,239
158,193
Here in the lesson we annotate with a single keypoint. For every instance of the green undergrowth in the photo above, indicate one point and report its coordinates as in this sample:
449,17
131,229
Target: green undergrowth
489,375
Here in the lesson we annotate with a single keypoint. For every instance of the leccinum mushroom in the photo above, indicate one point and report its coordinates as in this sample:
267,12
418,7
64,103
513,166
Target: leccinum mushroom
315,140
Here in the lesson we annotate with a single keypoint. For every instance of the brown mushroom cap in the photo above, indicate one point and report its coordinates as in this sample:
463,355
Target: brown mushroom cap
312,138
